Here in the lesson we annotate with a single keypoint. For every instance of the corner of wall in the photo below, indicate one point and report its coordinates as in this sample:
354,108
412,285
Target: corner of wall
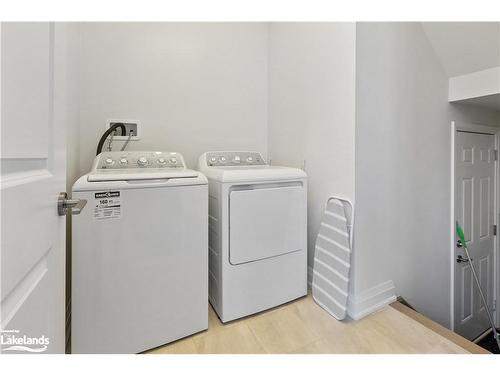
268,63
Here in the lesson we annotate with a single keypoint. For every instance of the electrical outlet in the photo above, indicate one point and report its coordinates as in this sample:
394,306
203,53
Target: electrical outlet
130,125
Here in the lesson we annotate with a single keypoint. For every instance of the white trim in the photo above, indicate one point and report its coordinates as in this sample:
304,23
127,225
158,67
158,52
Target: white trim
496,216
496,260
452,228
371,300
474,85
474,128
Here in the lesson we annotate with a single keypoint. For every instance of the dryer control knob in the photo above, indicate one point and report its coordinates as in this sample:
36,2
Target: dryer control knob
173,160
142,161
110,161
161,161
249,159
123,161
236,159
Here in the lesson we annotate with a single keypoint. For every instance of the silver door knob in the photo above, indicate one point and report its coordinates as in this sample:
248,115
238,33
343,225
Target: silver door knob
75,205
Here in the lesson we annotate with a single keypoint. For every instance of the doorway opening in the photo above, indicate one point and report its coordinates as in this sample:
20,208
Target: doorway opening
475,206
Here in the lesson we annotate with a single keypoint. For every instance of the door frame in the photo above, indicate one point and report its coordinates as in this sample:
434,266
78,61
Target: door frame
491,130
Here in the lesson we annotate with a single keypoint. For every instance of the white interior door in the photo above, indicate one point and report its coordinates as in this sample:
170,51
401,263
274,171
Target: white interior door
474,210
32,175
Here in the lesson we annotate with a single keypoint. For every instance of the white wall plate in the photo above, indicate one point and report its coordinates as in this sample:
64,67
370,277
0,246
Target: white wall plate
126,122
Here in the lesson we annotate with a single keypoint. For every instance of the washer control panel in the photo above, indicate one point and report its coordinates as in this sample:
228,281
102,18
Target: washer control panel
233,158
139,159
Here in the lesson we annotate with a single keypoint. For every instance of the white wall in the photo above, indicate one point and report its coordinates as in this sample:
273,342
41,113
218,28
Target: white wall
195,86
464,47
403,165
311,108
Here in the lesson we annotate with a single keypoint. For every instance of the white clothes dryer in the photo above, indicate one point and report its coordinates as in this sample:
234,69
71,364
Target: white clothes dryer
257,233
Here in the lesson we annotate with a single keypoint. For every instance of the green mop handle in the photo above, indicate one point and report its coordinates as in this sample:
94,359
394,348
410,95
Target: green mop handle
461,236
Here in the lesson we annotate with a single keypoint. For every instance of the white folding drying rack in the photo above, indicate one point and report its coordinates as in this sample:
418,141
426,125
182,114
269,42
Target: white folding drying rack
332,257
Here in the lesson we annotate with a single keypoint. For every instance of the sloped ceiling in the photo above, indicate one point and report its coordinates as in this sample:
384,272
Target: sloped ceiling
465,47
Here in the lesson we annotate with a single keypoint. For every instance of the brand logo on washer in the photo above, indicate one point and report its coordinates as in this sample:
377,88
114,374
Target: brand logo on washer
107,194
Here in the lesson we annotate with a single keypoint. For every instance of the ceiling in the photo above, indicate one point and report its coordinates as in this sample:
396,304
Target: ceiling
465,47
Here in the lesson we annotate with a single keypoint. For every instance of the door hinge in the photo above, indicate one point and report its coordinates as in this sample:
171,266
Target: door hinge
494,230
495,154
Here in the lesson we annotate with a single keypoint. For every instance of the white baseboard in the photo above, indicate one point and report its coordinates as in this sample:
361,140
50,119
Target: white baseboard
371,300
367,302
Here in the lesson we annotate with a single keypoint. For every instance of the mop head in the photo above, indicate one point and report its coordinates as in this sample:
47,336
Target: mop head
460,233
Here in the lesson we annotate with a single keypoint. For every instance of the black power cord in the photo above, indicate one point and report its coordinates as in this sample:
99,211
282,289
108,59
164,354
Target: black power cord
106,134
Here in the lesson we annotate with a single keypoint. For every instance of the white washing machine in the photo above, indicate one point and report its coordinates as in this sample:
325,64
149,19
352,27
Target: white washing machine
257,233
139,254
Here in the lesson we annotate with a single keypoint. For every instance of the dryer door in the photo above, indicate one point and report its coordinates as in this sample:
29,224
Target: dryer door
266,222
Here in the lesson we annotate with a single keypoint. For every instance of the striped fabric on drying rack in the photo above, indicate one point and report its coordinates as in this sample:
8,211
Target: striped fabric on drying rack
332,259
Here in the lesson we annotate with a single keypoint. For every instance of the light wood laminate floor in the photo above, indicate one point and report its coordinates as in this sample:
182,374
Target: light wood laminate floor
302,327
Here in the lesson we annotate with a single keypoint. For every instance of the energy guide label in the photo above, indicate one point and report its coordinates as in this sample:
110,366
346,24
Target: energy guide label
107,205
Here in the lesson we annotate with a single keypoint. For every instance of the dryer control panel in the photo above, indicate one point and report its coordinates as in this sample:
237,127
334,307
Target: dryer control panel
138,160
233,158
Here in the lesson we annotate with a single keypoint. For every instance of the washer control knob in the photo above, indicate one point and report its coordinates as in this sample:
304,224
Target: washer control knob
110,161
173,160
249,159
161,161
236,159
142,161
213,159
222,159
123,161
